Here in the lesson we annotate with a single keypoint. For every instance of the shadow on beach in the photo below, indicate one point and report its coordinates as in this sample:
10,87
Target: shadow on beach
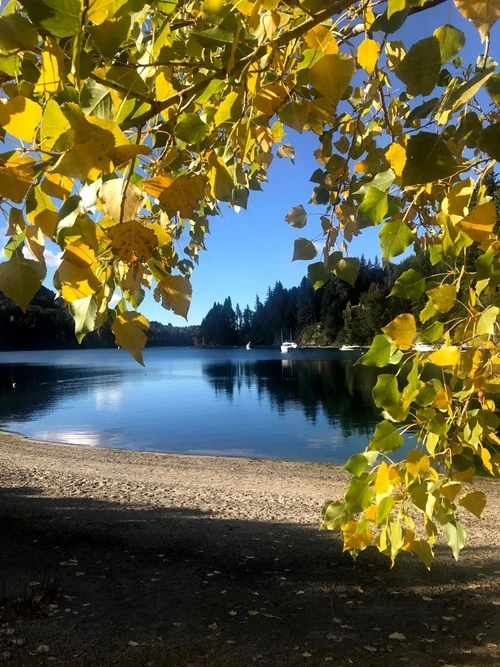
176,586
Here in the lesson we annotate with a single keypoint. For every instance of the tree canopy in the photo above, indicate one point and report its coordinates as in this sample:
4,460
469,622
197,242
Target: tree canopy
126,125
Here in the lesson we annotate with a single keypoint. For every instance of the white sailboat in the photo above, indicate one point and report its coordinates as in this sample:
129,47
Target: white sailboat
249,345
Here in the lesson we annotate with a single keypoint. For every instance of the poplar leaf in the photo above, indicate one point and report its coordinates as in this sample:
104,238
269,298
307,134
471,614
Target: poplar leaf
317,274
394,237
191,129
17,33
396,156
445,356
428,159
385,392
474,501
84,312
482,13
50,80
295,114
368,54
356,464
128,329
489,141
54,124
16,177
229,110
386,438
320,38
175,294
60,18
443,297
455,536
384,509
487,321
20,117
121,200
132,241
269,98
304,249
451,41
420,68
20,279
423,551
409,285
359,494
177,195
373,208
379,353
332,74
297,216
401,331
347,269
478,225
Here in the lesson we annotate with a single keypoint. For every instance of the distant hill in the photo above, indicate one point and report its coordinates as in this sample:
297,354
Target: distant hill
47,325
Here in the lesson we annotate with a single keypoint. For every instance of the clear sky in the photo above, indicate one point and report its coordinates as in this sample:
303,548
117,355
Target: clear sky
249,251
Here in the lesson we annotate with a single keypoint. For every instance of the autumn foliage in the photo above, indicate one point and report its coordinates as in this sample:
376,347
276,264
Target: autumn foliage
126,124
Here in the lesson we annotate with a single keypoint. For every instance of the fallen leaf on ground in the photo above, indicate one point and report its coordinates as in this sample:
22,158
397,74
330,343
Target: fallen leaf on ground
397,635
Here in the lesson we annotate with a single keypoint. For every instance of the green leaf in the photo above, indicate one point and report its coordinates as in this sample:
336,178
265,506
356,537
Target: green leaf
332,512
332,74
385,392
373,208
487,320
386,438
359,494
433,333
295,114
409,285
229,110
428,159
443,297
379,353
297,216
17,33
419,69
423,551
60,18
191,129
213,37
356,464
20,279
394,237
493,87
213,87
95,100
304,249
347,269
110,35
384,509
317,274
451,40
489,141
84,312
455,536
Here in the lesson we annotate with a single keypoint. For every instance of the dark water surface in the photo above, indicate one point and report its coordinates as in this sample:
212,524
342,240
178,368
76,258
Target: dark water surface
311,405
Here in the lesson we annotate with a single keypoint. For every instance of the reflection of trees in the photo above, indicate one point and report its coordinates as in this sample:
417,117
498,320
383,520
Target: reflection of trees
335,387
28,390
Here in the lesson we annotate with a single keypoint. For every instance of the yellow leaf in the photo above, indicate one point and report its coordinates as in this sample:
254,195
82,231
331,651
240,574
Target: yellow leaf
478,225
371,513
320,38
54,125
50,80
269,98
164,87
417,463
474,501
401,331
175,294
79,254
41,211
132,242
77,280
100,10
442,400
458,199
128,329
20,117
20,279
382,481
482,13
121,200
466,475
16,177
35,243
368,54
221,180
332,74
450,490
486,459
396,156
56,185
180,195
356,536
125,152
443,297
445,356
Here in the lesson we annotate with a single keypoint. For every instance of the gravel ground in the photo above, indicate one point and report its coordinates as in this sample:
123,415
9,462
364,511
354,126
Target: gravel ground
130,558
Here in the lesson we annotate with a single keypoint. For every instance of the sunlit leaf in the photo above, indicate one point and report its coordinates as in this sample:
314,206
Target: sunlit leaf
394,237
386,438
443,297
20,117
175,294
451,41
20,279
409,285
368,54
347,268
128,329
483,13
180,195
331,75
474,501
445,356
401,331
455,536
120,199
52,71
297,216
60,18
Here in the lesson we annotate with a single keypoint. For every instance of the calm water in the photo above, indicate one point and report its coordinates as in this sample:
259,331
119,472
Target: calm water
310,406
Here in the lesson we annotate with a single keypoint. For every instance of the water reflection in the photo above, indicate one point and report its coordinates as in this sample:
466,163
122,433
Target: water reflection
330,388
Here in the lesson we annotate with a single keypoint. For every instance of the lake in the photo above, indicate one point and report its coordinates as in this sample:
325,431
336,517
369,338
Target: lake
310,405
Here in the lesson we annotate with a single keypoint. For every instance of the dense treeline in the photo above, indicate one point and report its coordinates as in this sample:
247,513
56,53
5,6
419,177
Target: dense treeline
47,324
336,313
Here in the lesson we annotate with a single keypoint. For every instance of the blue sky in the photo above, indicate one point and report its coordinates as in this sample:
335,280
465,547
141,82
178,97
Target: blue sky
249,251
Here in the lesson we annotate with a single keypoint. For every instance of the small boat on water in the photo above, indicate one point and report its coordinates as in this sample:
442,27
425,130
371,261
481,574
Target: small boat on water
249,345
423,347
346,348
286,347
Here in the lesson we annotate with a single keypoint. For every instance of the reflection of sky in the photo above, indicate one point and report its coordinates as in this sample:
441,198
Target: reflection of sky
172,406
